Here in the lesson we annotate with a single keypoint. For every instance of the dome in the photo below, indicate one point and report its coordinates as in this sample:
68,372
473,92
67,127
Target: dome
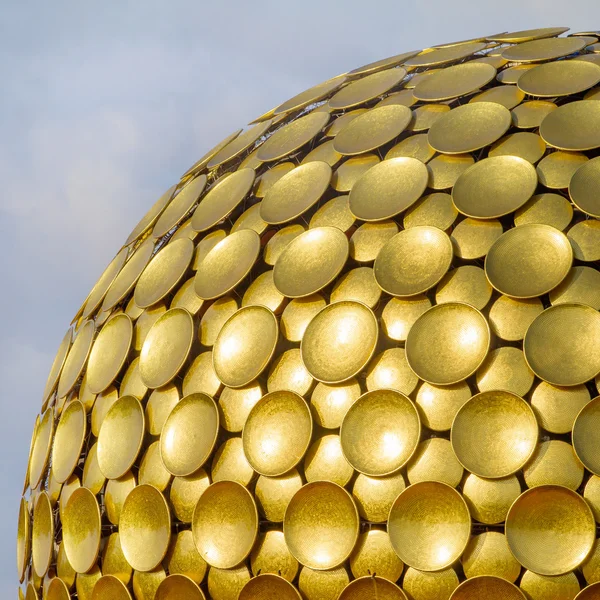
352,354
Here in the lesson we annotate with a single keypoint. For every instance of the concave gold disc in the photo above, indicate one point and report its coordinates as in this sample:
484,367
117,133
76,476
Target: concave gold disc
109,587
487,587
507,424
438,405
76,359
342,120
414,146
235,405
440,56
540,587
178,587
589,593
549,209
325,461
329,403
505,368
581,285
292,136
225,524
166,347
448,343
530,114
426,255
120,437
556,169
374,554
494,187
214,318
189,434
268,586
388,188
366,88
82,530
550,529
23,539
582,185
380,432
465,284
507,95
271,555
429,525
384,63
585,239
490,499
109,352
203,161
455,81
263,291
351,170
269,178
488,554
403,97
511,75
557,407
40,448
183,558
423,585
554,461
226,584
57,590
222,199
469,127
200,377
295,192
573,126
372,129
57,366
321,525
544,49
245,345
527,35
529,260
472,238
313,94
68,441
372,587
230,463
277,433
323,152
42,535
434,460
585,435
390,370
562,345
399,314
310,262
369,239
334,213
184,494
339,341
240,144
434,209
273,494
150,217
560,78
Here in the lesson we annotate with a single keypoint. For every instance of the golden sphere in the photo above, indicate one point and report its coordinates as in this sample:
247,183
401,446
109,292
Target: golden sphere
352,353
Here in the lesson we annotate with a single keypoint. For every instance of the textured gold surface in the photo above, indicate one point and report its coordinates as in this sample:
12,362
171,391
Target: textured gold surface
390,279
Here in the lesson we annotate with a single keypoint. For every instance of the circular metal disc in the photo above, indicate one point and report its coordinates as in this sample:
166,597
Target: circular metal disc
269,585
508,96
426,255
581,285
469,127
271,555
310,262
573,126
68,440
380,432
585,435
414,146
434,209
557,543
554,461
530,114
351,170
585,239
166,347
549,209
448,343
527,35
372,129
454,81
539,587
523,144
435,460
439,404
150,217
185,492
557,407
544,49
372,586
557,168
466,284
57,590
369,239
560,78
505,369
384,63
311,95
109,587
82,530
273,494
189,434
277,433
325,461
240,144
472,238
562,345
321,525
269,178
334,213
40,449
488,554
490,499
414,525
42,535
509,427
178,587
486,587
430,586
529,261
374,496
329,403
431,58
388,189
225,524
367,88
339,341
281,238
76,359
374,553
582,185
57,365
23,539
245,345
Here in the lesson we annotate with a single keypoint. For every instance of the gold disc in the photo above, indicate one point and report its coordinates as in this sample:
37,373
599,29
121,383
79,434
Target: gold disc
183,558
334,213
189,434
556,407
366,88
589,593
562,345
179,206
351,170
235,405
434,209
527,35
540,587
342,120
311,261
295,192
57,366
429,586
510,318
508,96
42,535
426,257
236,361
201,377
329,403
68,441
23,539
273,494
466,284
178,587
240,144
226,584
321,525
469,127
372,129
487,587
40,447
549,209
573,126
372,587
214,318
524,144
509,427
511,75
387,189
581,285
505,368
585,433
555,462
414,146
148,220
434,460
225,524
374,496
380,432
374,554
543,49
439,404
494,187
530,114
529,260
384,63
445,169
461,338
184,494
325,461
488,554
310,96
292,137
413,525
324,152
358,284
441,56
490,499
369,239
131,382
230,463
584,180
268,179
109,587
455,81
93,478
403,97
585,238
399,315
82,530
560,78
390,370
269,586
472,238
277,433
120,438
339,341
557,168
227,264
159,405
271,555
57,590
76,359
557,543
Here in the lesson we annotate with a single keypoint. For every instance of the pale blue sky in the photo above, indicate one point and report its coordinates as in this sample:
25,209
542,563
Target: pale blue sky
105,105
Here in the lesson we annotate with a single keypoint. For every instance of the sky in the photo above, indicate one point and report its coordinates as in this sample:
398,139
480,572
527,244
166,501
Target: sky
105,105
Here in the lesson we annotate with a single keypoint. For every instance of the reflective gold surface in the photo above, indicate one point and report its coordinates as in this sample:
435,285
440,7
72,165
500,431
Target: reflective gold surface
486,587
